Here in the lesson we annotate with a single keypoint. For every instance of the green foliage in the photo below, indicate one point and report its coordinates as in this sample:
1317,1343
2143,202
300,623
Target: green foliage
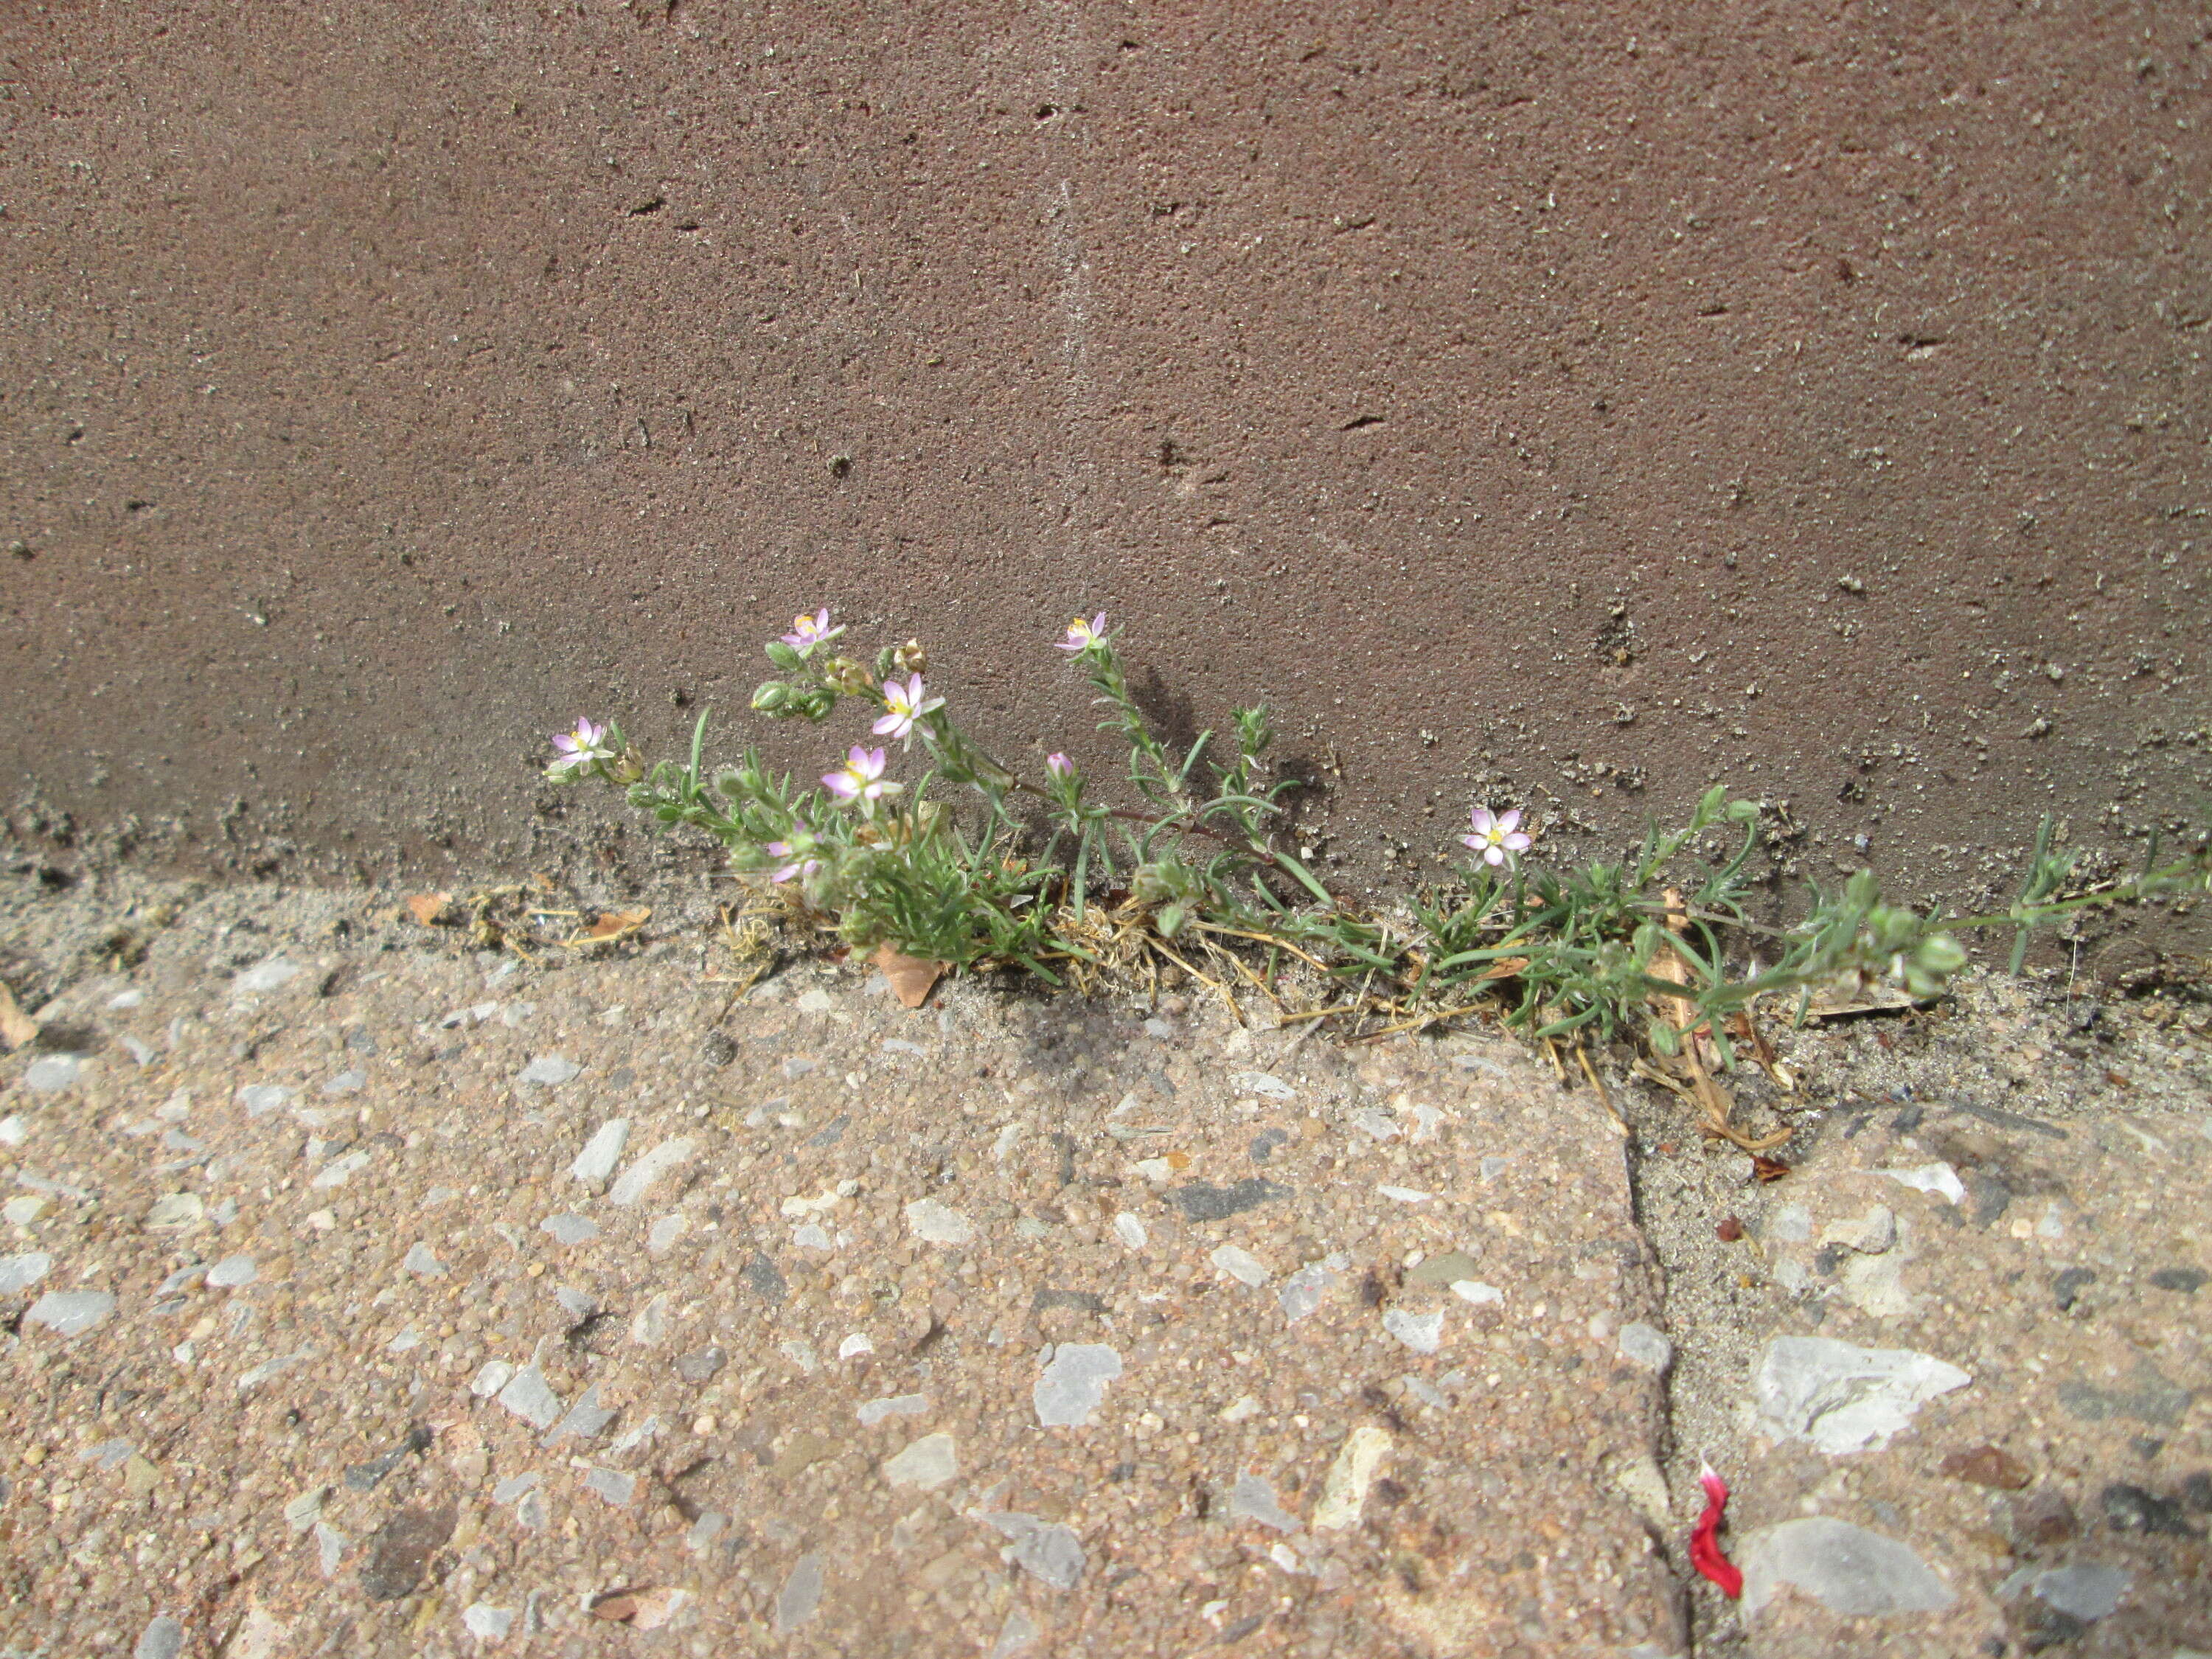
1007,872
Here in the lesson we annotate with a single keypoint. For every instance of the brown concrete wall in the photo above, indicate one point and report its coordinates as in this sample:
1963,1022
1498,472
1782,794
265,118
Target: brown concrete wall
1571,404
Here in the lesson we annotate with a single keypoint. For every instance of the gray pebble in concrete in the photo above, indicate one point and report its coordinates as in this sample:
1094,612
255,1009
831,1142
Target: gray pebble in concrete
616,1488
1252,1499
800,1598
1645,1345
1846,1569
936,1224
702,1366
637,1179
266,975
1073,1384
483,1620
571,1228
595,1164
1047,1551
162,1638
1844,1398
19,1273
1301,1292
928,1463
260,1099
2081,1590
70,1313
551,1070
50,1074
872,1411
530,1398
1020,1631
1422,1333
584,1420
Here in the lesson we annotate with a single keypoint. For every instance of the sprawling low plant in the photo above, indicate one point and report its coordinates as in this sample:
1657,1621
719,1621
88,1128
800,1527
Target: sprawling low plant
964,862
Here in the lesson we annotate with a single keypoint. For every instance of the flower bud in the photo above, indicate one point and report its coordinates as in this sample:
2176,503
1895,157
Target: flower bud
910,658
773,698
630,769
849,677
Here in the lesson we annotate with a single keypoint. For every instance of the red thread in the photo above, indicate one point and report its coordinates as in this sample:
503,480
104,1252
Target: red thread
1705,1542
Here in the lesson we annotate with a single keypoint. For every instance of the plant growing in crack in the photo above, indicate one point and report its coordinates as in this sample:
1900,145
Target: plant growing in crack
967,863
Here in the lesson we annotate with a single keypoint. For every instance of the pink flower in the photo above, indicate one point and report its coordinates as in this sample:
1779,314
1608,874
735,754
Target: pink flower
1494,838
905,705
798,867
1059,765
578,749
861,777
807,632
1082,636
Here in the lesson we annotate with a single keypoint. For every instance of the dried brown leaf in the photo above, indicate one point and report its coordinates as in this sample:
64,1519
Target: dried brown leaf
427,907
911,978
655,1608
17,1027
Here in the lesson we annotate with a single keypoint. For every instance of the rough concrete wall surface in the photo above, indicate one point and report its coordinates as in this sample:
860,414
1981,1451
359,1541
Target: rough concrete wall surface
1566,405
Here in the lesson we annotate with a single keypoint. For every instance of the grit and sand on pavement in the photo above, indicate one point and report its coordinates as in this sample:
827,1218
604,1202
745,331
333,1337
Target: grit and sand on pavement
365,1292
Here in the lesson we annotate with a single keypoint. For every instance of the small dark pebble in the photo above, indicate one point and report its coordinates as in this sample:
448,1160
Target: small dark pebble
364,1477
1264,1144
2187,1280
1243,1628
2196,1491
2068,1283
2131,1509
2044,1517
1729,1231
1047,1297
2048,1627
717,1048
592,1329
1987,1466
2005,1120
400,1549
1202,1201
769,1284
1990,1196
2154,1398
830,1132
